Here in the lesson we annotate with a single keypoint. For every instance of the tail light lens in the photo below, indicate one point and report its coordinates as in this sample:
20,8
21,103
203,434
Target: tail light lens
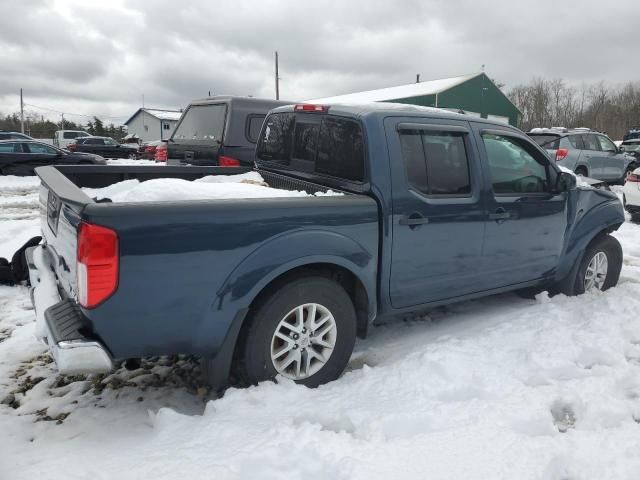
98,264
71,147
632,177
161,154
228,161
561,154
309,107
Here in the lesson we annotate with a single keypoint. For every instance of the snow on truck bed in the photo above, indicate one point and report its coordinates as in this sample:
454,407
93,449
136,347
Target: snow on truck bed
245,185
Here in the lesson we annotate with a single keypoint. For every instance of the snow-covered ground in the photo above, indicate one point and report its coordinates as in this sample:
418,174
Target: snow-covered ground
499,388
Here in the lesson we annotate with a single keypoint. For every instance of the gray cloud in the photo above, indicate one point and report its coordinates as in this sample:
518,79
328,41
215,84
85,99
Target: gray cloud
91,57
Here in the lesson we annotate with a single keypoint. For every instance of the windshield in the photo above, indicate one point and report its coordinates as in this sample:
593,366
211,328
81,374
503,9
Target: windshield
202,122
545,141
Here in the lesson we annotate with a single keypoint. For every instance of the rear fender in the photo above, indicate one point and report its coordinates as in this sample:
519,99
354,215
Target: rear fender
289,251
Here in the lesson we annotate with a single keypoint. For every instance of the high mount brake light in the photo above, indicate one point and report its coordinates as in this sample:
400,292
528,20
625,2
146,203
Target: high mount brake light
98,264
309,107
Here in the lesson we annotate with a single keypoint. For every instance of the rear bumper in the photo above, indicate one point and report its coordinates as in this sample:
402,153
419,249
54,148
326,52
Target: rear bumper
59,322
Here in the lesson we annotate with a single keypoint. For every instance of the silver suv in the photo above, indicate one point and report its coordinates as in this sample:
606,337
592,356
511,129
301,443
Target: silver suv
586,152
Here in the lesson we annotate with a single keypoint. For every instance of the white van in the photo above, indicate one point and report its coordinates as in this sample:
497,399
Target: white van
62,138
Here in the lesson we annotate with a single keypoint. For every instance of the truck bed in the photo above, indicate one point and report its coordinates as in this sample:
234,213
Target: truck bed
185,265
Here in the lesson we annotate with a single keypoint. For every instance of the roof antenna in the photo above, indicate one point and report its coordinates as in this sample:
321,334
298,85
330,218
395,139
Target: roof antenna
417,78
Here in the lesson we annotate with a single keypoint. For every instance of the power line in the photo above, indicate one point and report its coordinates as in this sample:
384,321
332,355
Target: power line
74,114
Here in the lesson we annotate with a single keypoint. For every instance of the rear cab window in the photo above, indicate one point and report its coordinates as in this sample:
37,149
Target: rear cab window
202,123
311,143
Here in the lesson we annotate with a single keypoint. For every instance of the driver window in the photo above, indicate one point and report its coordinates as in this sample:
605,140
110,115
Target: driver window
606,145
514,168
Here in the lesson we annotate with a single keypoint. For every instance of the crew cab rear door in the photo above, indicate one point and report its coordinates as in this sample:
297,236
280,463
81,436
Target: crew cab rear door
526,220
439,213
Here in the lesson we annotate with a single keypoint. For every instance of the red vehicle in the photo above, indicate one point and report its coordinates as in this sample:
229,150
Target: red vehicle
160,152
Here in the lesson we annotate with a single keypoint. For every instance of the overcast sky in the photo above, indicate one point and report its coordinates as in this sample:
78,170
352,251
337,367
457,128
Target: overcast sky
100,57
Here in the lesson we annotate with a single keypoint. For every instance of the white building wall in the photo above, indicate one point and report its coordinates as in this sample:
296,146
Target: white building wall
152,128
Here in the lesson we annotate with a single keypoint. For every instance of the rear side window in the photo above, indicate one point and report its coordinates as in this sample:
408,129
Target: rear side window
590,142
254,124
202,122
571,141
436,162
94,141
10,148
69,135
311,143
549,142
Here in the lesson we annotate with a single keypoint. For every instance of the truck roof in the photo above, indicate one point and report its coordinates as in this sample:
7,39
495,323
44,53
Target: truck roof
241,101
389,108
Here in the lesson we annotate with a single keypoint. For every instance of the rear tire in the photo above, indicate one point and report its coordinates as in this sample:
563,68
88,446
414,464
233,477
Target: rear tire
287,328
602,245
582,171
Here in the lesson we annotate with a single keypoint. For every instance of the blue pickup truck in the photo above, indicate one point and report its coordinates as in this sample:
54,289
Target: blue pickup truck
436,207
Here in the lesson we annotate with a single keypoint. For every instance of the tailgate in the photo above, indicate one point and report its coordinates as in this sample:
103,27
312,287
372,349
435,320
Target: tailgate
61,203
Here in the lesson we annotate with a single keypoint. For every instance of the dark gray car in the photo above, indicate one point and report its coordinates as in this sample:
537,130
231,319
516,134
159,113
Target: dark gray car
586,152
20,157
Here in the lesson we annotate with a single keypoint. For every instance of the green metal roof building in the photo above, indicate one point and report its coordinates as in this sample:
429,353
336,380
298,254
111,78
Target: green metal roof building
476,94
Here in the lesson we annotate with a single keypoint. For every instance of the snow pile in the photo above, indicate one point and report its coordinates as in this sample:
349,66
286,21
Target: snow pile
246,185
498,388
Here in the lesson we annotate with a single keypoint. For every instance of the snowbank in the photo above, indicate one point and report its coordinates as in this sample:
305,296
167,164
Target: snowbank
498,388
246,185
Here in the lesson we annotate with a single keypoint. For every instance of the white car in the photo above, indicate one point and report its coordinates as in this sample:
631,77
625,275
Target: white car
631,195
62,138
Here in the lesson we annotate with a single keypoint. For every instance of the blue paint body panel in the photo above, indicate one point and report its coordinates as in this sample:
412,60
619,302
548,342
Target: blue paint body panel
190,270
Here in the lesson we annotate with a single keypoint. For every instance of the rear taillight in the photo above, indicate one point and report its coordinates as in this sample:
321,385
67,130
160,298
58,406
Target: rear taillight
161,154
98,261
632,177
561,154
228,161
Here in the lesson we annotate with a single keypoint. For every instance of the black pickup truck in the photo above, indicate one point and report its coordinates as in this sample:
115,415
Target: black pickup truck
220,130
436,207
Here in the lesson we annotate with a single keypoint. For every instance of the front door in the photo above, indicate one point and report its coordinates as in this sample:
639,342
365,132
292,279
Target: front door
593,156
612,161
526,220
438,215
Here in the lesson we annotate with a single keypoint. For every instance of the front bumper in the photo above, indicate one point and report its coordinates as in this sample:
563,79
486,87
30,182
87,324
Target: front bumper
59,322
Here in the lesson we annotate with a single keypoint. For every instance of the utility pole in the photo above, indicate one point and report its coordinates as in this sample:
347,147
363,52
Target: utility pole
417,78
277,79
61,121
21,113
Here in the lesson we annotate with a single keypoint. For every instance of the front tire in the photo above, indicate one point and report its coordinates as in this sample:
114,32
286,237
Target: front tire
304,330
600,266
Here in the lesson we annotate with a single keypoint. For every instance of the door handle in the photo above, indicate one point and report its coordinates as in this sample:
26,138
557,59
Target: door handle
500,214
413,220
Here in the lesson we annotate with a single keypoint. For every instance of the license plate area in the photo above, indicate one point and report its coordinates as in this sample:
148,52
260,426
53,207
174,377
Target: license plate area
53,211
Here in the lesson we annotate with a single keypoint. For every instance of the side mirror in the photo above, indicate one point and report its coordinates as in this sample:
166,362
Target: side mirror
565,182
